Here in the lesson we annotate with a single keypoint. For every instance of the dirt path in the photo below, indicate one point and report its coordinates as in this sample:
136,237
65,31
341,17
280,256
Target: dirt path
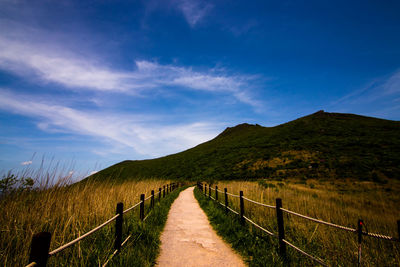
189,240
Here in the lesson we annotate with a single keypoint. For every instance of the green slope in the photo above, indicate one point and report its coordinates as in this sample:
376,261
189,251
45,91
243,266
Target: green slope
321,145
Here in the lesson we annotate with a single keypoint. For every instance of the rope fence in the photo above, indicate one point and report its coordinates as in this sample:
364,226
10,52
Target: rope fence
320,221
40,244
259,203
305,253
59,249
281,232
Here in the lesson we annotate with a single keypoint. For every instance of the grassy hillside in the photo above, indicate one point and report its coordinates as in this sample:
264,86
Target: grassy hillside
321,145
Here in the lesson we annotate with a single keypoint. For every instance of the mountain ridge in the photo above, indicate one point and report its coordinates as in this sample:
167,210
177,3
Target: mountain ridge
320,145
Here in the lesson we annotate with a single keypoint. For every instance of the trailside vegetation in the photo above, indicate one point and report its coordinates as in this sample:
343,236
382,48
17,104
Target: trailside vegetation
321,145
69,211
341,202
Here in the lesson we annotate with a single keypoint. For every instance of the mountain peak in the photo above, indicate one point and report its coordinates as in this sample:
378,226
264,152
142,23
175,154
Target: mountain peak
243,127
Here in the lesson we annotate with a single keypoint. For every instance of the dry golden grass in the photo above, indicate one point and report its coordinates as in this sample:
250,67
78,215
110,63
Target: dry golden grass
66,212
340,202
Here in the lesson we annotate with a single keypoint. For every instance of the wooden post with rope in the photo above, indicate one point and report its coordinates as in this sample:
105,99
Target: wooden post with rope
40,248
141,213
118,226
281,229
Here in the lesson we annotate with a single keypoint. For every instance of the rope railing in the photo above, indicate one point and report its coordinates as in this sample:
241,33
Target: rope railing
319,221
258,226
233,195
131,208
41,241
305,253
232,210
259,203
390,238
59,249
279,210
116,251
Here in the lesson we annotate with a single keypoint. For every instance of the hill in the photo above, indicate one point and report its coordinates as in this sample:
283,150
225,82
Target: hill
321,145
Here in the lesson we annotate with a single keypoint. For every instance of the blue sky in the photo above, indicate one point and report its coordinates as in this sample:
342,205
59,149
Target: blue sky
92,83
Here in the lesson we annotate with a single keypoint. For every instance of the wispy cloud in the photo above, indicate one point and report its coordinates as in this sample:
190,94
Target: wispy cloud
60,67
76,73
392,85
377,98
25,163
193,10
146,138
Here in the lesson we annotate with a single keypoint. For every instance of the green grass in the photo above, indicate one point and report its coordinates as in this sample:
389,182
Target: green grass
320,146
256,247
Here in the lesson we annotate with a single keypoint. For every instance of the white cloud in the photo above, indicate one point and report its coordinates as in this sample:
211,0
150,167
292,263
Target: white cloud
76,73
392,85
59,67
146,138
25,163
193,10
377,98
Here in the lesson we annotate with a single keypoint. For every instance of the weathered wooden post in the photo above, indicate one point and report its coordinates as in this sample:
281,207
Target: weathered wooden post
241,208
167,188
226,199
118,226
163,193
281,229
216,193
152,199
359,234
159,194
205,189
40,248
141,213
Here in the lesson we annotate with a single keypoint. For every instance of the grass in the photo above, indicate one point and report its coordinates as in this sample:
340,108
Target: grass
67,211
340,202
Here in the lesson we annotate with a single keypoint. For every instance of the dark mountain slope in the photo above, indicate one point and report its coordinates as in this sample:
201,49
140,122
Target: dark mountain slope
321,145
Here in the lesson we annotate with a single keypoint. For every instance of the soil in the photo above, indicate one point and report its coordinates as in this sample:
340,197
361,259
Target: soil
189,240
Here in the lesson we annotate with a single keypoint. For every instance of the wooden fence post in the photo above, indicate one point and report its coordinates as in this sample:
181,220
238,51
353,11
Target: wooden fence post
141,213
359,234
281,229
40,248
167,188
209,191
205,189
163,193
216,193
159,194
241,208
226,199
118,226
152,199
